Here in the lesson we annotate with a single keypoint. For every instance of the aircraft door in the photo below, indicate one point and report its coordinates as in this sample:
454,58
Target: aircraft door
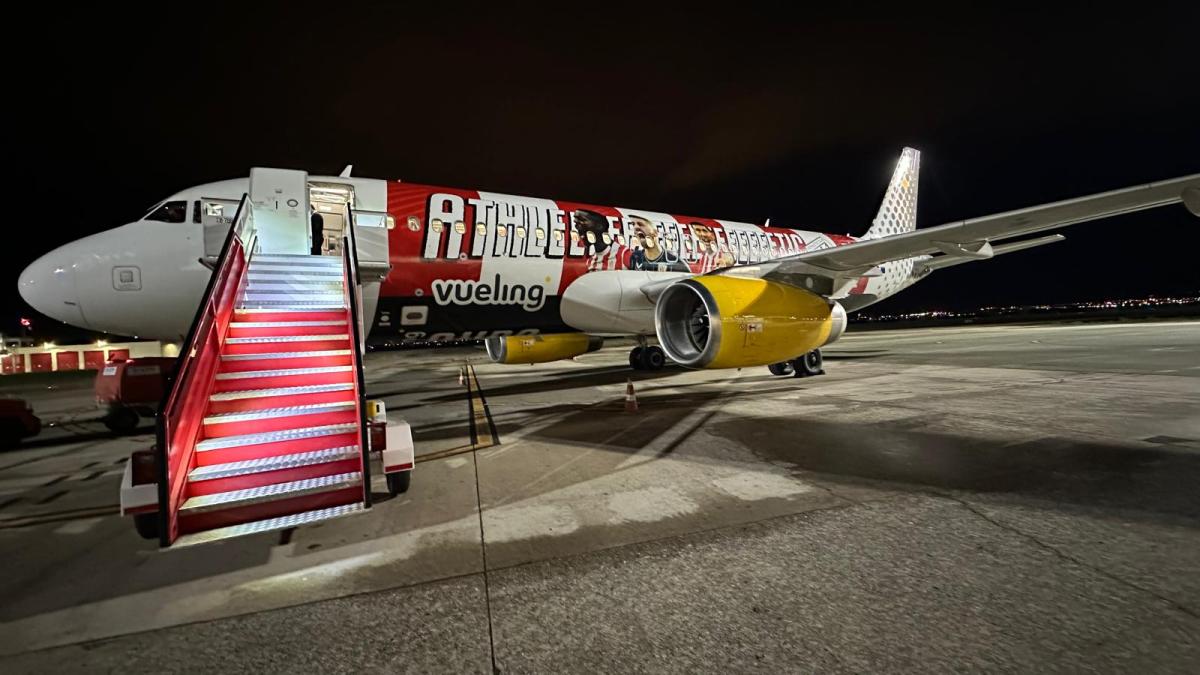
281,210
216,215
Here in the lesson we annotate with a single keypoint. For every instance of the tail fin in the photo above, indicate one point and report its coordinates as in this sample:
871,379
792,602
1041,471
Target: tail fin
898,213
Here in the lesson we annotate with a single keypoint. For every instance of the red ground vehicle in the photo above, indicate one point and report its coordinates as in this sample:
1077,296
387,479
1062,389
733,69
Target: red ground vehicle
132,389
17,421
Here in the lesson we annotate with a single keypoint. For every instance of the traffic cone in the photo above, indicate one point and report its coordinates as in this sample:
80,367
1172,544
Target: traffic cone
630,397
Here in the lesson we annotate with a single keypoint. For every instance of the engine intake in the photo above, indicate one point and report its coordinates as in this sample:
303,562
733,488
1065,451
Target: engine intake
540,348
719,321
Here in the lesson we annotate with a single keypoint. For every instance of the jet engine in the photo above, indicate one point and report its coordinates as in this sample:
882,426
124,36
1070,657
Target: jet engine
540,348
719,321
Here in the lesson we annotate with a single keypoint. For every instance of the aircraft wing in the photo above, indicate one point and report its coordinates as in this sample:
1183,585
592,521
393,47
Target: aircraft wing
968,239
943,261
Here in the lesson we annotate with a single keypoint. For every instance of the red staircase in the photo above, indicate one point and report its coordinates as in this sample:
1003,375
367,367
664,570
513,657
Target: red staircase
263,430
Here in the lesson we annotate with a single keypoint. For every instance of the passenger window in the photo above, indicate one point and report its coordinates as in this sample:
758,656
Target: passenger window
558,235
591,237
541,234
520,231
169,212
414,225
606,237
436,225
481,229
501,231
460,227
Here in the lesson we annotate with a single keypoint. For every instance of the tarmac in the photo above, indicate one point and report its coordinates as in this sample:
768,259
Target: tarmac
1006,498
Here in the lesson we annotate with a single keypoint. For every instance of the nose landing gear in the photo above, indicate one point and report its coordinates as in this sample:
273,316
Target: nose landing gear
806,365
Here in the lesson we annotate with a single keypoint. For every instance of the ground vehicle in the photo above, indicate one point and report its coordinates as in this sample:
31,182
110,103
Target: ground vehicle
129,390
17,421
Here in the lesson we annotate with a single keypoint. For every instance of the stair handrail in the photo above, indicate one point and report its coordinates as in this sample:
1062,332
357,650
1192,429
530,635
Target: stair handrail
358,335
181,413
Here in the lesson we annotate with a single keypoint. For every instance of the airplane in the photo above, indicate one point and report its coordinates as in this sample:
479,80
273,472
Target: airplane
541,280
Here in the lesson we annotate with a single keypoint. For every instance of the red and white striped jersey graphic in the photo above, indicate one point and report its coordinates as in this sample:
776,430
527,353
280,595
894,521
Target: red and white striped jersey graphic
615,257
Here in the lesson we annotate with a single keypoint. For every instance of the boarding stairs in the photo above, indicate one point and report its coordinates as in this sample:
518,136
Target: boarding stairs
264,428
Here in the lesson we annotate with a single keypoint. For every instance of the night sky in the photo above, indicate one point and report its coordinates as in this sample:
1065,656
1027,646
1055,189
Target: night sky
794,117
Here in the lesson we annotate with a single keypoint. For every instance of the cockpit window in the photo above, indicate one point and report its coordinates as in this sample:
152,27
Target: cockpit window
169,212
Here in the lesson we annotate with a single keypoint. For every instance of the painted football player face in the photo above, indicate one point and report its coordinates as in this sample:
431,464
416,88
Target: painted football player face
591,227
645,232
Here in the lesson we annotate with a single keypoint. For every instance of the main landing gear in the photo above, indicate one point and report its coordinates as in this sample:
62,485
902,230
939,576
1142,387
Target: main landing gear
648,357
802,366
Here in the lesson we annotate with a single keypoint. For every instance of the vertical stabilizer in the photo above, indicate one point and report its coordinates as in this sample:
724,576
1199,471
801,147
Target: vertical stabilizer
898,213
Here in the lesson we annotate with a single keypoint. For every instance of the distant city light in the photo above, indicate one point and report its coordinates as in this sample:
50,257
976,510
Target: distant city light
1001,310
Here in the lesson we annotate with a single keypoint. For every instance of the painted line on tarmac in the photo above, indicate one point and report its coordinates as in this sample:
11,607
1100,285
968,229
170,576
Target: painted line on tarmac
482,426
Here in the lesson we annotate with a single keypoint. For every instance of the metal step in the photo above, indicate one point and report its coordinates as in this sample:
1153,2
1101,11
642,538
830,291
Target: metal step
302,259
283,372
281,324
285,355
270,493
277,463
309,270
275,436
315,275
270,524
290,304
333,337
301,291
293,297
295,286
281,391
270,413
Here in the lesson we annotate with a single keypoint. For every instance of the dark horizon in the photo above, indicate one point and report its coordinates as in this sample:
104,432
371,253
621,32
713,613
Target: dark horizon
744,118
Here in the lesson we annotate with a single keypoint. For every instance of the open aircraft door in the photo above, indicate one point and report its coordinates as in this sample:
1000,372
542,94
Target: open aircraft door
216,215
281,210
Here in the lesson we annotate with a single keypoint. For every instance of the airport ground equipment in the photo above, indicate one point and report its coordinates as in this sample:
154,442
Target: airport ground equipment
17,422
128,390
264,426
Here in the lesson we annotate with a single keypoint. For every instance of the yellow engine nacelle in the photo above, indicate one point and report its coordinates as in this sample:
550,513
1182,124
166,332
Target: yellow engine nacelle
718,321
540,348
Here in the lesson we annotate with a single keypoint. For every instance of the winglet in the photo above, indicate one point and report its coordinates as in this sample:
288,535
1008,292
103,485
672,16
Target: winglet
346,171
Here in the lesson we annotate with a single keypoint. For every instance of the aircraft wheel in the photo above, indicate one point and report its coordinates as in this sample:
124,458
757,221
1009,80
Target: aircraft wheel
785,368
653,358
809,364
635,359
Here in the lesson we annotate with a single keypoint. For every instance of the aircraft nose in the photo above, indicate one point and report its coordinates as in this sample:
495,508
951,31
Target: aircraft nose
48,285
